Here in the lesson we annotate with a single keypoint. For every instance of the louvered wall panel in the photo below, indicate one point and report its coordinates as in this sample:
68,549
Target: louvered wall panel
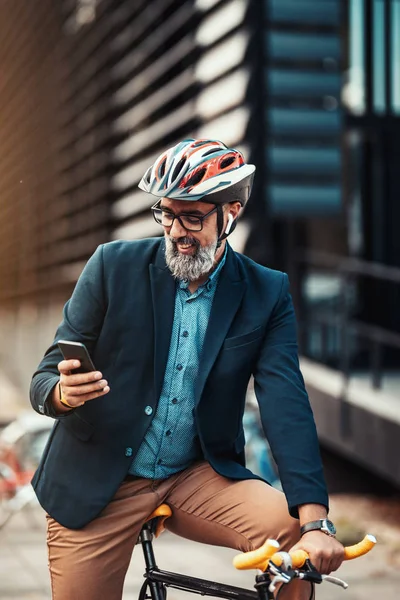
92,92
303,81
153,104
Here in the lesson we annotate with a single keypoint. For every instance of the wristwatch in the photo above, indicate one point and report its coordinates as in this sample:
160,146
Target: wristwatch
324,525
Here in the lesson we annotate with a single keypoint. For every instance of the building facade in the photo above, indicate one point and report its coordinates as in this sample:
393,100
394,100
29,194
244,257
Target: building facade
93,90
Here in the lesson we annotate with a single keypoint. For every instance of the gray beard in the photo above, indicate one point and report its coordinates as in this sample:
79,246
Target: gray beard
189,268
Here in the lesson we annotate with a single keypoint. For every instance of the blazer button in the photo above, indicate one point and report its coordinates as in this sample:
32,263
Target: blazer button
148,410
128,452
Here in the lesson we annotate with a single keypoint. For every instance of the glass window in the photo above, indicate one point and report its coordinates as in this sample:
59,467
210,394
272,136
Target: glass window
302,46
284,82
303,200
304,160
354,93
379,72
324,12
303,122
395,58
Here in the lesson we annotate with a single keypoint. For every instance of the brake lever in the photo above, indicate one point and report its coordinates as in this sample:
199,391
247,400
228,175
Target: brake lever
312,576
335,580
280,578
316,577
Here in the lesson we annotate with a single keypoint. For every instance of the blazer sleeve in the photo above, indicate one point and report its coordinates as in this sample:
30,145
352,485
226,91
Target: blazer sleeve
285,410
83,317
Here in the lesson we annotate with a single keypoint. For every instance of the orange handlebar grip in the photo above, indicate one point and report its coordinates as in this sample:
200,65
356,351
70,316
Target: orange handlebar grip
256,559
361,548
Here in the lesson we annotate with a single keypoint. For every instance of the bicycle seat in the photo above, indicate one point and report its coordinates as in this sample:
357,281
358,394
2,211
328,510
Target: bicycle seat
159,516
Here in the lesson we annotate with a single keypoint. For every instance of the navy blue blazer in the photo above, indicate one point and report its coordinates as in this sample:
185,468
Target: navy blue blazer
122,310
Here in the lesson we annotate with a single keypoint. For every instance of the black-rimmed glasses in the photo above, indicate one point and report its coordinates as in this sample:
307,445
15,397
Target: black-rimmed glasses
188,221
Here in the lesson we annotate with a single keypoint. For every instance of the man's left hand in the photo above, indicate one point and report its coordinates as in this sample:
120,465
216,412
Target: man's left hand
325,552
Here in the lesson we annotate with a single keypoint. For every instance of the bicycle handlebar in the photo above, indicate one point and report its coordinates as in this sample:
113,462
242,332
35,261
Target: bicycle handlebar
259,559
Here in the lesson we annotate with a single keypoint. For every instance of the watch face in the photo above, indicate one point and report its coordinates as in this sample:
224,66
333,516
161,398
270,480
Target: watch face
330,527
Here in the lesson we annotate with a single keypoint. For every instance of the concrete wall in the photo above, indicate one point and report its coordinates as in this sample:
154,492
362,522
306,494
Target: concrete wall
357,422
25,333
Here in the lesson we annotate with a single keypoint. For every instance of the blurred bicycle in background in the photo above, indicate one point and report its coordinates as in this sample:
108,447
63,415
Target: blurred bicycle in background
21,445
258,454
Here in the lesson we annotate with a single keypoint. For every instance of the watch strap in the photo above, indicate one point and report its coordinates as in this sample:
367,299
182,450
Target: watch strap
319,525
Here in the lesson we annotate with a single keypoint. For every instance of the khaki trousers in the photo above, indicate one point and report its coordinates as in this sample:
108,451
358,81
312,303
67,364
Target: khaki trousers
91,563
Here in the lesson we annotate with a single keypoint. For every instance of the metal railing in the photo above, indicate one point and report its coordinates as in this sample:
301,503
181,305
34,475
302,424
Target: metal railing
349,270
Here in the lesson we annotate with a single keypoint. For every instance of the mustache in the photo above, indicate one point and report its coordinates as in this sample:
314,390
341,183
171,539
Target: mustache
185,240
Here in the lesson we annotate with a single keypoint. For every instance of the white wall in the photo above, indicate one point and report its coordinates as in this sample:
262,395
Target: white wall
26,331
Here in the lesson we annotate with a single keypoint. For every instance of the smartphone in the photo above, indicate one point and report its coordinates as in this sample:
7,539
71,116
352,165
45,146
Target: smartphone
77,350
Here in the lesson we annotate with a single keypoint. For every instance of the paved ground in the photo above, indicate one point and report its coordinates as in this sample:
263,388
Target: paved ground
23,563
23,558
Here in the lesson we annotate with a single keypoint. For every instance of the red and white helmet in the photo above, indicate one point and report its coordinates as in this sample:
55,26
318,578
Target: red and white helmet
203,170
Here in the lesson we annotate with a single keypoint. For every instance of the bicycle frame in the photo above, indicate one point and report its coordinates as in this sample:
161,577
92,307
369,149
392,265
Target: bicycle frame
156,581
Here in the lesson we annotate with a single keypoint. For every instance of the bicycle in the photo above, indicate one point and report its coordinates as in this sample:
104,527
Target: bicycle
276,567
14,494
21,445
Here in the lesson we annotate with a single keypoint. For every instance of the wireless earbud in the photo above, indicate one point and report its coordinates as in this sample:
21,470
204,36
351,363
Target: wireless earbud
229,224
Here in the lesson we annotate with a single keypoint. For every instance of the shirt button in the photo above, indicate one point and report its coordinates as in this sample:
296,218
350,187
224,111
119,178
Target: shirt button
159,462
174,400
168,432
179,367
185,333
148,410
128,452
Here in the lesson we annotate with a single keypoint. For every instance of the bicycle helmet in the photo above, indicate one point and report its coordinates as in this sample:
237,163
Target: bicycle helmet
205,170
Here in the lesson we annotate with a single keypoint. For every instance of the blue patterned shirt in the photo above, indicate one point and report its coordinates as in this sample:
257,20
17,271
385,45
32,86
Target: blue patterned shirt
171,443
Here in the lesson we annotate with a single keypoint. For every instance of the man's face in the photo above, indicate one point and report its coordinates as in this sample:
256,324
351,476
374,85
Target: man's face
190,254
207,236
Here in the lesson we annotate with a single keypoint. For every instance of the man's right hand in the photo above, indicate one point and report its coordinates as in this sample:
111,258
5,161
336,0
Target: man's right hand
77,388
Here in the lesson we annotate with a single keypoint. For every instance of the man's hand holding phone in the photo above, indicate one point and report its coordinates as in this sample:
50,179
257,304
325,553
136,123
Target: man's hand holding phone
79,380
76,389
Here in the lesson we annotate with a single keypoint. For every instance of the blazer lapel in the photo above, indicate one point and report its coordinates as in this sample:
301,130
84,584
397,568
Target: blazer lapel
163,298
227,299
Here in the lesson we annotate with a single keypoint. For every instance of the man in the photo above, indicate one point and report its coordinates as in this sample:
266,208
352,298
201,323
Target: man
176,327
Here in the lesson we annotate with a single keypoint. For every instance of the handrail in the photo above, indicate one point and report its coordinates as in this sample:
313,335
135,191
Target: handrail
350,265
372,332
348,269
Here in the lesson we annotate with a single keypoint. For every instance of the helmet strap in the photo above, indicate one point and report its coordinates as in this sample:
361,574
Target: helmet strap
220,224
